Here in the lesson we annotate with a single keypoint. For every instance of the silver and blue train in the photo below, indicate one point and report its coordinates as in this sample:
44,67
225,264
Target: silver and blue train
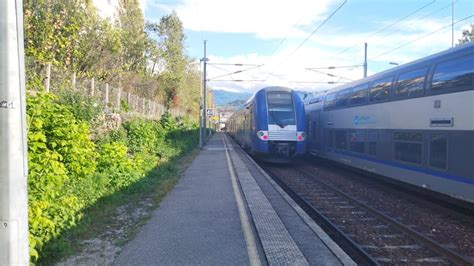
413,123
271,125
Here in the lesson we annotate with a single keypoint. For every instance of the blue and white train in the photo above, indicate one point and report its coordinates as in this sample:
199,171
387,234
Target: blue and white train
271,125
413,123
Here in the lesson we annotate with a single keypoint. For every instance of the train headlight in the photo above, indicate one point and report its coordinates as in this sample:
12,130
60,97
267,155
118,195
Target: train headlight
300,136
263,135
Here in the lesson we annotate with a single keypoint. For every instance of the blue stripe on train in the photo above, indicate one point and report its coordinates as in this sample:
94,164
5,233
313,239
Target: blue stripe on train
462,179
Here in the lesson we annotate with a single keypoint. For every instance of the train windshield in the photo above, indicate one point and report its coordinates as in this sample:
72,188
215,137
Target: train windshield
280,109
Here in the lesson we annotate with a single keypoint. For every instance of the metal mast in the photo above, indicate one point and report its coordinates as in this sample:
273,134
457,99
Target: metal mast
13,161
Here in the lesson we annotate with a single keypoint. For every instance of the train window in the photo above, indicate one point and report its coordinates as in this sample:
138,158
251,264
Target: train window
380,89
342,98
438,150
456,74
341,139
280,109
372,140
330,101
330,138
408,147
359,94
357,141
313,131
316,99
411,84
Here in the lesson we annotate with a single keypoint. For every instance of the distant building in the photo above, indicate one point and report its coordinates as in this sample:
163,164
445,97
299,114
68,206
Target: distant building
109,9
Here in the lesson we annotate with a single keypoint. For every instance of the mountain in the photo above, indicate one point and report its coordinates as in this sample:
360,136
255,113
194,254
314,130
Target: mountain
227,98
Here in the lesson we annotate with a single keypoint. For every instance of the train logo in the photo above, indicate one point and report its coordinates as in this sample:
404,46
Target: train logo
363,120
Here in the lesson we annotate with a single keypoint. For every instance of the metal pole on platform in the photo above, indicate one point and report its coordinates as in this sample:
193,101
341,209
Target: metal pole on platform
200,107
204,59
13,161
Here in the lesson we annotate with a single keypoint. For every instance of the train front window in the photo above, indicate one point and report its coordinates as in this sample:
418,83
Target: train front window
456,74
280,109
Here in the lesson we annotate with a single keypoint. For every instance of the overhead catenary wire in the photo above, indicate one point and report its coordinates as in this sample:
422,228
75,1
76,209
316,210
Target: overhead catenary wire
417,39
235,72
389,26
329,74
238,80
309,36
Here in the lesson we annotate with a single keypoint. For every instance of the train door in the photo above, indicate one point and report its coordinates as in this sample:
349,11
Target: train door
315,132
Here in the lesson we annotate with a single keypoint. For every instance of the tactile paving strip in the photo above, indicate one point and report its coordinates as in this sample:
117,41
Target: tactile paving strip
278,245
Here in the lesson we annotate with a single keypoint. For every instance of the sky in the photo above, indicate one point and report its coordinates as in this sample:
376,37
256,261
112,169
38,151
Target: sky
278,41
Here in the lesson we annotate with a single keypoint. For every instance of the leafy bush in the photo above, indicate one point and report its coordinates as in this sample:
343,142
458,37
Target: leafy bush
69,172
84,108
60,155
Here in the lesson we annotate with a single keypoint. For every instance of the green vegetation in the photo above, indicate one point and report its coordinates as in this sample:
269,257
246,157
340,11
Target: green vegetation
148,61
83,158
69,171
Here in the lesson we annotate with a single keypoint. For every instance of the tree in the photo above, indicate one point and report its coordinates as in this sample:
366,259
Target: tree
170,34
133,37
467,36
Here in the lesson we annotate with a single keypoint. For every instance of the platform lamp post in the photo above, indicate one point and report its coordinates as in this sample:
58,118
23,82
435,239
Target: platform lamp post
13,161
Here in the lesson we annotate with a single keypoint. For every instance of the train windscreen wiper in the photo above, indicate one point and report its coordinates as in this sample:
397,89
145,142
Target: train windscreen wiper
278,122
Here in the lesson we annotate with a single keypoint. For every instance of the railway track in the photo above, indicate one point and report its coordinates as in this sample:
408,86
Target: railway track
375,236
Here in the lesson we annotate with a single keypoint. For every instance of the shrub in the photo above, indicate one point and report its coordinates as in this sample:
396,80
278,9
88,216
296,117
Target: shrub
61,156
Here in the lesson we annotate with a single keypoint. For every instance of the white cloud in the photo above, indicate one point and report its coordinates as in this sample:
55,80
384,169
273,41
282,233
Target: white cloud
277,19
266,19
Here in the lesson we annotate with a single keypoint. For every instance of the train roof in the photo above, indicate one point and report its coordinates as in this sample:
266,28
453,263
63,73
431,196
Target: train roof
438,56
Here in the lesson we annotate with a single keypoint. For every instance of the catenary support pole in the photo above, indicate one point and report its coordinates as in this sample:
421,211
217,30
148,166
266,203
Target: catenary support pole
200,108
365,60
204,93
13,161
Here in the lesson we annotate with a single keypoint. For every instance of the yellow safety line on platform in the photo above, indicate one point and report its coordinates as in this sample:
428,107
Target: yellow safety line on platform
244,219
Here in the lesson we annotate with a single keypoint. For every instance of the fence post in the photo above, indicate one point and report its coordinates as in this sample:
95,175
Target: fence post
73,81
92,87
119,95
47,78
106,94
143,106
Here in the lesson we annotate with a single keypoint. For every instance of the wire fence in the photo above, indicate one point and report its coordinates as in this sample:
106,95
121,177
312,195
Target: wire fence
111,95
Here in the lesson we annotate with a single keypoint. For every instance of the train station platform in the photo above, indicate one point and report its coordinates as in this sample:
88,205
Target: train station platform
227,211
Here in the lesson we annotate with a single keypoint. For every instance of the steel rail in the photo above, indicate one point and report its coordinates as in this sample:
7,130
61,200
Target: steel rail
357,253
417,236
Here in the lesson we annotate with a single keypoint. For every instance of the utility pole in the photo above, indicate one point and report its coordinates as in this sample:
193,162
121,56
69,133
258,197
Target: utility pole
200,107
204,59
365,60
13,161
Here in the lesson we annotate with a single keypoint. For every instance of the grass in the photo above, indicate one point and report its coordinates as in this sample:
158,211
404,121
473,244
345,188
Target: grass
103,215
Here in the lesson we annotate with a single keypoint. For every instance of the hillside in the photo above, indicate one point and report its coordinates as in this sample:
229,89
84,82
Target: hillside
227,98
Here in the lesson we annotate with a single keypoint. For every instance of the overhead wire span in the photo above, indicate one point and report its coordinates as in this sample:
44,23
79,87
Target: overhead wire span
238,80
329,74
231,64
319,82
424,36
389,26
309,36
423,17
235,72
333,67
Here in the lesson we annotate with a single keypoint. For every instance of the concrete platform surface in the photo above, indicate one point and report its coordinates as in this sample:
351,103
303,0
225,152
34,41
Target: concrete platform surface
226,211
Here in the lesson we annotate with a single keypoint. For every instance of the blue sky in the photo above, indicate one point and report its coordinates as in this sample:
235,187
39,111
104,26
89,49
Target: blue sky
272,33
